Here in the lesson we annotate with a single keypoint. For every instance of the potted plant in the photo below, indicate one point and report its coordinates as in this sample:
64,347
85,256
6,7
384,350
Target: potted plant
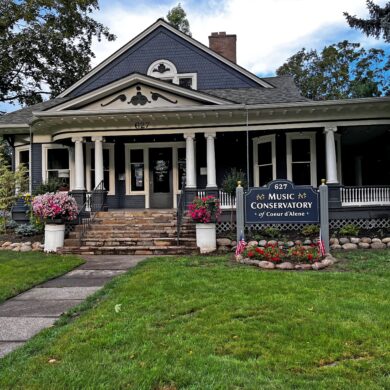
55,209
205,212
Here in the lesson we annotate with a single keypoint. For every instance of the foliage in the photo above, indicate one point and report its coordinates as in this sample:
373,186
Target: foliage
21,271
310,230
58,205
11,182
378,23
204,210
27,229
177,17
52,185
45,45
349,230
342,70
231,178
271,232
277,254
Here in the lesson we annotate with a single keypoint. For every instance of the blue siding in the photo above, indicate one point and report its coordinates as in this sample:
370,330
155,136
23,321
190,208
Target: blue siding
36,165
163,44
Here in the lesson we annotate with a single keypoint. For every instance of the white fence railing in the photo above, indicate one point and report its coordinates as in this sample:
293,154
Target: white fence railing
227,201
365,196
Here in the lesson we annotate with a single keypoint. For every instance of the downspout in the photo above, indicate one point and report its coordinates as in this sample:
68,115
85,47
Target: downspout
247,146
30,163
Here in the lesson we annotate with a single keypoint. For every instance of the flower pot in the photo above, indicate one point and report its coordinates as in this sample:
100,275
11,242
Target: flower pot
54,237
206,239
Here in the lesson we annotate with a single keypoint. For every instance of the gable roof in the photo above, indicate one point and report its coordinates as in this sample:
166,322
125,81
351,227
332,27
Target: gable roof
160,25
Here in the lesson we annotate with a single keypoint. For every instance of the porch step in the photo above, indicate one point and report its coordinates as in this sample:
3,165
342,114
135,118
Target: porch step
143,232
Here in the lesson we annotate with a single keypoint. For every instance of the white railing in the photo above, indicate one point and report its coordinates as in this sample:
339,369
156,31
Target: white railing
365,196
227,201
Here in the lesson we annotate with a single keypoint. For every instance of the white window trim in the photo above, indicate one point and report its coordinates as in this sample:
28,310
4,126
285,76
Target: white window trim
311,135
145,147
45,149
172,74
111,152
262,140
19,149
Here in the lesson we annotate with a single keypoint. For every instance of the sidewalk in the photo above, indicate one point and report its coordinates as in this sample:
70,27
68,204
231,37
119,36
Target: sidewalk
26,314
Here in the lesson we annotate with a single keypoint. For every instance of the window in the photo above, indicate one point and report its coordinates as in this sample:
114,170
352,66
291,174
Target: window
22,156
137,170
301,158
165,70
108,167
264,157
58,165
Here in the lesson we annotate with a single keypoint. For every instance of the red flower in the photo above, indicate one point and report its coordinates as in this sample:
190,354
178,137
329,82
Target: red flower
251,254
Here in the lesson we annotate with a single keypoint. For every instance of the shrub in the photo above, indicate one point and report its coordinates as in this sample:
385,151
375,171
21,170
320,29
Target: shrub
310,230
204,210
349,230
52,185
271,232
26,230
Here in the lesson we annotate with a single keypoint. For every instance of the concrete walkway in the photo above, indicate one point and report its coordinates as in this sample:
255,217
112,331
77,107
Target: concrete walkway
26,314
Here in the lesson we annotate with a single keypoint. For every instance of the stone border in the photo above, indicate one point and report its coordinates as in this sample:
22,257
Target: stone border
22,246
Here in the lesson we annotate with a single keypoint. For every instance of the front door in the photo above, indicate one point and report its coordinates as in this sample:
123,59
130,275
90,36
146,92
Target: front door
160,163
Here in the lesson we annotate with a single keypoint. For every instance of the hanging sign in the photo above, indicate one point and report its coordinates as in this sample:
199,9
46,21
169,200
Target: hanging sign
281,202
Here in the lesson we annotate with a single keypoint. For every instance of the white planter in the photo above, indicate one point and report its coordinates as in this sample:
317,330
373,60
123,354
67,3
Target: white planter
206,239
54,237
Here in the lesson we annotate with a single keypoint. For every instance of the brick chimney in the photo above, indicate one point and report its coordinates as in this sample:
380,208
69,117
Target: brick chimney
224,44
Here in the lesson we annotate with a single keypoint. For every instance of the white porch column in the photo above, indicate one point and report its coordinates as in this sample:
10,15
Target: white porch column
99,172
190,161
79,163
211,173
331,162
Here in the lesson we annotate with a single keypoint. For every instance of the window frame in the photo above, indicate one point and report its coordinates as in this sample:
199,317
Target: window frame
45,162
256,167
24,148
311,136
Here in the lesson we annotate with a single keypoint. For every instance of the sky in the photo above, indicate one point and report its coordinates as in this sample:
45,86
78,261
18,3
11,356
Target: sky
268,31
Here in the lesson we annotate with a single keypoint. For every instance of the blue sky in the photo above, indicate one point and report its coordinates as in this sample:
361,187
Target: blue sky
268,31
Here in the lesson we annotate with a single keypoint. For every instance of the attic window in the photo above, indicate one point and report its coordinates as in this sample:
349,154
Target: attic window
165,70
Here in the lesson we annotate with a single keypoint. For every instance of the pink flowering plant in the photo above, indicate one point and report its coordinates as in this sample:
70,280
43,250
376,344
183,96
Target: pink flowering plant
205,209
52,206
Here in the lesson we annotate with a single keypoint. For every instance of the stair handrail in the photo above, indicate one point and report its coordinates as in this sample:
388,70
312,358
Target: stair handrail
96,203
181,206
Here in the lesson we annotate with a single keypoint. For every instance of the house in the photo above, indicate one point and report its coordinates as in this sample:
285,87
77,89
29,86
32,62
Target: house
165,107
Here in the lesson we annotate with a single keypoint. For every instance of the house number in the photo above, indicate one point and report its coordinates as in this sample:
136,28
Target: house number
141,125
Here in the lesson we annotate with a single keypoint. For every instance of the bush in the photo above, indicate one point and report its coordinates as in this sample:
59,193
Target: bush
349,230
271,232
310,230
26,230
52,185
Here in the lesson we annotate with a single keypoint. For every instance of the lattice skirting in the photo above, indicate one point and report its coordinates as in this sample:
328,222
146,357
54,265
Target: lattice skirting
334,224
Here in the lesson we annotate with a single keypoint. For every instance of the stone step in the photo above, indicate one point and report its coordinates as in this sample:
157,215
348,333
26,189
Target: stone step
135,241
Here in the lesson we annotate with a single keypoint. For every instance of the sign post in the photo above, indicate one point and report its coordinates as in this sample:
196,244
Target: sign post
324,222
240,212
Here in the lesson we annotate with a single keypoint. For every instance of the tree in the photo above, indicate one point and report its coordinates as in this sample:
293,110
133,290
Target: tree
377,25
177,17
11,182
339,71
45,46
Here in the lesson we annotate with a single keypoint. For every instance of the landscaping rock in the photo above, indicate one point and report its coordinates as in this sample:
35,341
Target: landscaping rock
281,244
344,240
303,267
6,244
36,245
286,265
251,262
366,240
386,240
266,265
378,245
388,244
233,243
355,240
262,243
334,241
327,262
239,258
298,242
335,247
16,249
290,244
25,248
349,246
15,245
224,241
223,249
272,242
376,240
252,243
364,245
317,266
307,242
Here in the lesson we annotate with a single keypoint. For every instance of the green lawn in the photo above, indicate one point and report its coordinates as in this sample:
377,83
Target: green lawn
21,271
206,323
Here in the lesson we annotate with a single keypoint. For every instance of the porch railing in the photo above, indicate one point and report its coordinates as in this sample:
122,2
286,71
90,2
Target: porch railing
365,196
227,201
181,209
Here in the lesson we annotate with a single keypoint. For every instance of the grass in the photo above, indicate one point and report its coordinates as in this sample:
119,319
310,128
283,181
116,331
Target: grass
21,271
206,323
